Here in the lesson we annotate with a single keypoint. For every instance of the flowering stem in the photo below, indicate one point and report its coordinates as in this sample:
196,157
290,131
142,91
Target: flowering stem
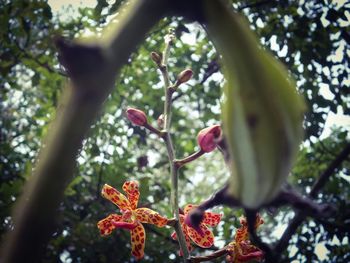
170,148
175,194
169,40
192,157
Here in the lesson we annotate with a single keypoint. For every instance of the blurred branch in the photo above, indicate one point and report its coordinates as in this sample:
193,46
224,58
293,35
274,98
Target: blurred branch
92,69
257,4
269,253
319,184
212,68
219,253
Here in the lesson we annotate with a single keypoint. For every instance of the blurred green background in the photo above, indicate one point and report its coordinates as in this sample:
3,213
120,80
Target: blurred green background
312,39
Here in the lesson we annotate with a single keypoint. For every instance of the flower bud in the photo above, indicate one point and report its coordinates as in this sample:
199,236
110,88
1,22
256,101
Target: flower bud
137,117
207,138
157,58
160,121
183,77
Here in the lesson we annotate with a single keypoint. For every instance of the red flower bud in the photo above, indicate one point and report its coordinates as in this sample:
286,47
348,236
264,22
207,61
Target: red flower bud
137,117
183,77
157,58
207,138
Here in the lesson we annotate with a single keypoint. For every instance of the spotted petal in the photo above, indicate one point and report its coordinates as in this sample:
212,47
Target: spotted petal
205,241
116,197
187,238
146,215
131,188
258,221
247,252
241,234
138,237
106,226
188,208
211,219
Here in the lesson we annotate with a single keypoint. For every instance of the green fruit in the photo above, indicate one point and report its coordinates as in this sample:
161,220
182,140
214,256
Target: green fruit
262,111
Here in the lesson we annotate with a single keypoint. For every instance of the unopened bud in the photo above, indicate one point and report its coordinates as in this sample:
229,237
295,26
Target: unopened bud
137,117
160,121
157,58
183,77
208,137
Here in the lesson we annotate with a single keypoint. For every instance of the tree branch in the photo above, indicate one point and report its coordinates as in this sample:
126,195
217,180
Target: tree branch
83,99
319,184
257,4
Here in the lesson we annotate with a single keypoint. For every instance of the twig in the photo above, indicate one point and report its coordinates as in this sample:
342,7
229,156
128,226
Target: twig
221,197
212,68
299,217
154,130
192,157
257,4
219,253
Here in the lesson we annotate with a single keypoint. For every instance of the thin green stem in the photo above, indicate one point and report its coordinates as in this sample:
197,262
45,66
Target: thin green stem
170,148
169,40
175,195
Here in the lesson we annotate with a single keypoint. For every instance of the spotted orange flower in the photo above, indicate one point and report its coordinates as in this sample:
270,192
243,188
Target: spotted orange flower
201,236
131,217
241,250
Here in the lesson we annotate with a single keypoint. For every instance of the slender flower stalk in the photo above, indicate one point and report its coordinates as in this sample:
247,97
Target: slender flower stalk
169,39
179,163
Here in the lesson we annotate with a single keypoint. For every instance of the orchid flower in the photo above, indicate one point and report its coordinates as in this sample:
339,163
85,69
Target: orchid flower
201,235
131,217
241,250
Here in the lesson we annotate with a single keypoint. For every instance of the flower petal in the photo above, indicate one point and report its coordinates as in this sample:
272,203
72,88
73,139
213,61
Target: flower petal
241,234
131,188
211,219
188,208
258,221
105,225
187,238
116,197
138,237
146,215
247,252
205,241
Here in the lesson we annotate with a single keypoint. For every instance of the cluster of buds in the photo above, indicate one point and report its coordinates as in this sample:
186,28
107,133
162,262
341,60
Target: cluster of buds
207,138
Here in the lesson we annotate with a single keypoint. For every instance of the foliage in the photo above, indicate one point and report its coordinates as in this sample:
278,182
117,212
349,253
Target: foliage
31,83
